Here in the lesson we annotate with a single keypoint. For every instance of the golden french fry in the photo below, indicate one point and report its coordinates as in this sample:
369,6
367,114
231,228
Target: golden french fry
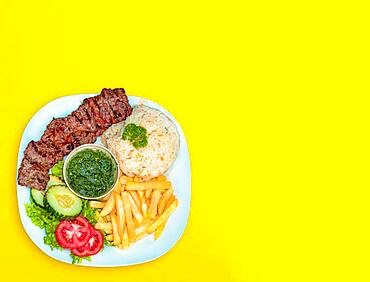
161,178
159,230
120,214
109,206
105,226
127,178
125,241
160,185
163,217
99,217
118,187
170,201
142,227
135,210
140,236
141,194
120,246
147,202
129,220
152,211
105,198
163,201
144,208
135,196
123,183
116,237
148,193
109,237
96,204
107,218
136,179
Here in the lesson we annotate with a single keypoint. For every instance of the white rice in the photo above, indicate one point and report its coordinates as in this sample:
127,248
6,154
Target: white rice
157,156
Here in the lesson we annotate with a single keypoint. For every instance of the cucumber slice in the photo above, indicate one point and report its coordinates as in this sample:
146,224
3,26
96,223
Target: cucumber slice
38,196
54,181
62,202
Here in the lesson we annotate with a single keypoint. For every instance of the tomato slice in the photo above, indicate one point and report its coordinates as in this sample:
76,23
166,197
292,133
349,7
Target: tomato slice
81,251
83,221
93,245
72,234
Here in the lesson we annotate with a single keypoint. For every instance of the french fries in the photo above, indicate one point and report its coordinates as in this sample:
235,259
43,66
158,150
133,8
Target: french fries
116,237
134,195
129,220
125,241
163,201
97,204
161,185
108,206
105,198
120,214
153,208
163,217
159,230
134,210
104,226
148,193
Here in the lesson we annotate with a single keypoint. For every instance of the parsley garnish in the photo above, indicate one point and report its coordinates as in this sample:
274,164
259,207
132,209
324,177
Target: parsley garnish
136,135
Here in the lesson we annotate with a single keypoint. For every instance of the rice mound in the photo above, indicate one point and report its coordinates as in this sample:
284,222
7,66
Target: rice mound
157,156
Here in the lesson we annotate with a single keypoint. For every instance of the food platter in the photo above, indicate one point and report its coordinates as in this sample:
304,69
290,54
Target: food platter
146,249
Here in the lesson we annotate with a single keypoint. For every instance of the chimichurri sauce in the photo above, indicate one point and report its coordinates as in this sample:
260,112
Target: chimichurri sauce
91,173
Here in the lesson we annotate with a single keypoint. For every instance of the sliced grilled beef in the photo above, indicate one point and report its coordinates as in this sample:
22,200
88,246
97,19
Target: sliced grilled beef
105,112
118,101
74,124
83,137
42,154
101,124
84,114
118,109
33,175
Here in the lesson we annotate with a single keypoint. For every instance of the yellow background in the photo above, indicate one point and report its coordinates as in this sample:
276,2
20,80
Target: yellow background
273,99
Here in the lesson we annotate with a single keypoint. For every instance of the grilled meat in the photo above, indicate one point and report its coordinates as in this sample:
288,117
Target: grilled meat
62,135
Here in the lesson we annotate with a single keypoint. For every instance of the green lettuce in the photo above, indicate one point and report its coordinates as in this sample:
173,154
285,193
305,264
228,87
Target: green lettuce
57,169
45,220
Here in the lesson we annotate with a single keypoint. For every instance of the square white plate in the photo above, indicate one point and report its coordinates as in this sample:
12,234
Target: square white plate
146,249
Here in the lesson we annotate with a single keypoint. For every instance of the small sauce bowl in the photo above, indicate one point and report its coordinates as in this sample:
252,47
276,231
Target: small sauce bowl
92,147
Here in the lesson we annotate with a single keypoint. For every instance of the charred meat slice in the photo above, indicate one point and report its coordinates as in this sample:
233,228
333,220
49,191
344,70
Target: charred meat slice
84,114
105,110
82,137
42,154
74,124
56,132
118,101
119,111
33,175
101,124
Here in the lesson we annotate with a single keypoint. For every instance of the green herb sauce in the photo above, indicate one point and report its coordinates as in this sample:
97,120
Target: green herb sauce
91,173
136,135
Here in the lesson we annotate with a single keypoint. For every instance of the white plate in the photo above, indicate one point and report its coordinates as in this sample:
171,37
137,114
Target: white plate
146,249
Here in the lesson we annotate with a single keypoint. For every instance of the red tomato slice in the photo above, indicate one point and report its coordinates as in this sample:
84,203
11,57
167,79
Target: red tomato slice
83,221
93,245
80,252
72,234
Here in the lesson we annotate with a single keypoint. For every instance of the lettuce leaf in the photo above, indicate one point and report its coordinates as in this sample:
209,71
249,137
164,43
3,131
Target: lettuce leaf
57,169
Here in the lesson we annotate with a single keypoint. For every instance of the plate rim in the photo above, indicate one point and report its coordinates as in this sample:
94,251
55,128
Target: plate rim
21,205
